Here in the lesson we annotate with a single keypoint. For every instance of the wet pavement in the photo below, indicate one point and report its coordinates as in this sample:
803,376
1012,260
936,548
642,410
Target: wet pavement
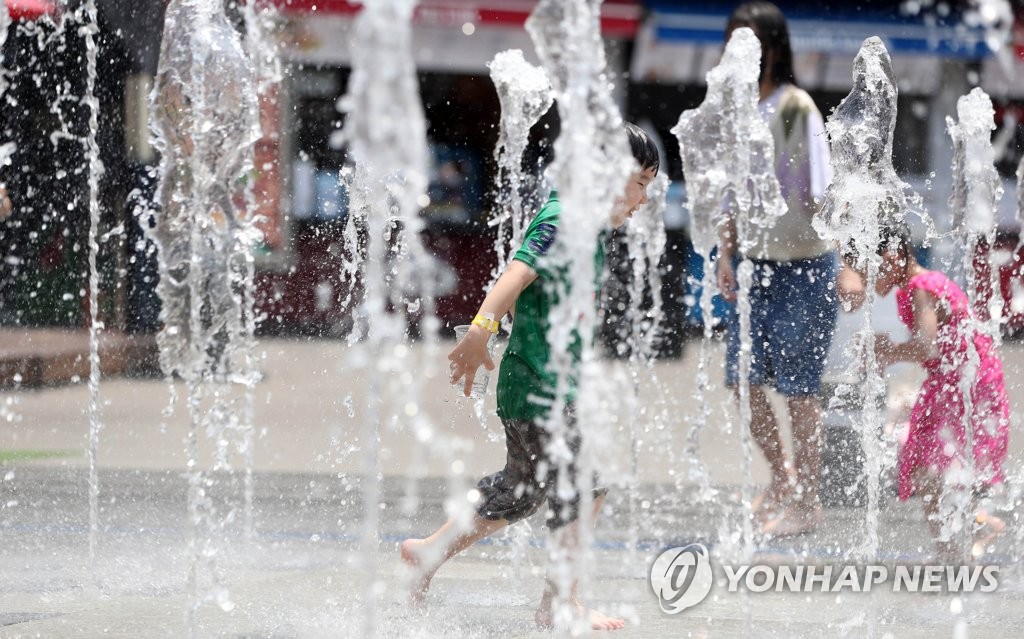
304,572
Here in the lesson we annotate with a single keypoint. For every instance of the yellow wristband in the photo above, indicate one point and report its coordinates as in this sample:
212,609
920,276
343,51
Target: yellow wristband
489,324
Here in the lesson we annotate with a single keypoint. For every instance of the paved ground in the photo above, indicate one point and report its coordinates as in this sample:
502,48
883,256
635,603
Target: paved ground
304,573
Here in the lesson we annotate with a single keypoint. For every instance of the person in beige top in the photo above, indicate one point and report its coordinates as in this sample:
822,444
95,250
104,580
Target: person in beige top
793,297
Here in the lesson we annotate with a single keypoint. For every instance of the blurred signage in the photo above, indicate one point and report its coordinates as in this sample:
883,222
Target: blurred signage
619,18
683,45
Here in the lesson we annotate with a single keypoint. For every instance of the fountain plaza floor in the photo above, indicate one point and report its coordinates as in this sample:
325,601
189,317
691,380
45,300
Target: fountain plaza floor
303,573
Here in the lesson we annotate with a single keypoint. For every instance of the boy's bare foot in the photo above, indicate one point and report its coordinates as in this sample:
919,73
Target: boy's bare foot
987,528
411,557
545,617
795,520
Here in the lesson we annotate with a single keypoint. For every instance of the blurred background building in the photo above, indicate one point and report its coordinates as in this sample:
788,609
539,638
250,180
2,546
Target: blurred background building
658,53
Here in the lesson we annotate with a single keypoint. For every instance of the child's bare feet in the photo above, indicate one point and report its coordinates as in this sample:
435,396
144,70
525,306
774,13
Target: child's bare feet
545,617
987,528
412,552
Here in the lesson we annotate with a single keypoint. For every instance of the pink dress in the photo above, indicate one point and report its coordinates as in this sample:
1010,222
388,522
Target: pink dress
936,438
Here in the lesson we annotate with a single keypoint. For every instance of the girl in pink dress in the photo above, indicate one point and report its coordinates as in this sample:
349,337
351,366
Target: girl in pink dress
945,336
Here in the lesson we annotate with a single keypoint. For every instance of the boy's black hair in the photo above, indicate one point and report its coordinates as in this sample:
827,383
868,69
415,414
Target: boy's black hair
644,151
769,25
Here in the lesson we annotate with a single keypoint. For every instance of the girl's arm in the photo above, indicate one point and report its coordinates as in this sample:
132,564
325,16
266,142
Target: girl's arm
922,343
470,353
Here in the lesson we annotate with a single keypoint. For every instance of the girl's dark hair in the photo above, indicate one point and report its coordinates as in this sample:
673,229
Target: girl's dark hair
893,236
643,148
769,25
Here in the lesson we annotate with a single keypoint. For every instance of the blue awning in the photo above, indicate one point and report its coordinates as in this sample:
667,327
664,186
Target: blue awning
679,43
828,32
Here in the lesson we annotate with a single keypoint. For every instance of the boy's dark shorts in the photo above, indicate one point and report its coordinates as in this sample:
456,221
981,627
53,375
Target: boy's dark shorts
518,490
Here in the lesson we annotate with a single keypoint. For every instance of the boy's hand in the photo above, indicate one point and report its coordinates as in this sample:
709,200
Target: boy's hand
468,355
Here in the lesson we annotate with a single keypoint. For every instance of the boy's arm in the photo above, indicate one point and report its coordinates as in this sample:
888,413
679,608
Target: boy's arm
470,353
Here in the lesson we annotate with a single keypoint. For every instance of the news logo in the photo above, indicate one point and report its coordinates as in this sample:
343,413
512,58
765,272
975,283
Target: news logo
681,577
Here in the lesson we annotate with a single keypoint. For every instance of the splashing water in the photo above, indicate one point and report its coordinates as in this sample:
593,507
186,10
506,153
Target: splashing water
977,190
261,22
205,121
524,93
728,157
386,132
864,194
649,425
592,162
1020,191
90,29
6,149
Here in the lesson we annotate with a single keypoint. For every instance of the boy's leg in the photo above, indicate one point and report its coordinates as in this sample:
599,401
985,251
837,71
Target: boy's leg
505,497
567,540
564,522
425,556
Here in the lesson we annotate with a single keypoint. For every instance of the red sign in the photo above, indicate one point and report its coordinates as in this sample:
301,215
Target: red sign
30,9
618,18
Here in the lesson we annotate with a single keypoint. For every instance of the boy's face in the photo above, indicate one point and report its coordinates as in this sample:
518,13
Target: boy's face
634,197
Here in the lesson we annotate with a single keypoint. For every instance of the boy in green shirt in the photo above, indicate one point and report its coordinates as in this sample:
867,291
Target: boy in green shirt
525,391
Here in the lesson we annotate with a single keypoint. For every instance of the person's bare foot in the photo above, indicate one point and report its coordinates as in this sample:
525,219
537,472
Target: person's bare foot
545,618
987,528
773,500
795,520
412,558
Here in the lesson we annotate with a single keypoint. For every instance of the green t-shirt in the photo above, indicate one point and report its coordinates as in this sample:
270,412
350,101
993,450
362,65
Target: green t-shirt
523,378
